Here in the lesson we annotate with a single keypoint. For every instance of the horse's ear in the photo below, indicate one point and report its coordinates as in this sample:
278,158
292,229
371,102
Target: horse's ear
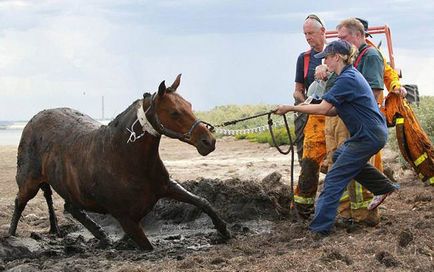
146,95
176,82
162,88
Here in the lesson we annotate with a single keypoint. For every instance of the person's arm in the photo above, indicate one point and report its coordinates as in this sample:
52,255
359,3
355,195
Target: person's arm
377,93
332,112
391,77
324,108
391,80
299,90
299,95
373,71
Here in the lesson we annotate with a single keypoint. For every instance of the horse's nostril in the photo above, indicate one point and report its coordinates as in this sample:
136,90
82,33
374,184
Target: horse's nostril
206,142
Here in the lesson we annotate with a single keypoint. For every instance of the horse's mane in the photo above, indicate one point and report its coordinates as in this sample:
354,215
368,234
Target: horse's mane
123,115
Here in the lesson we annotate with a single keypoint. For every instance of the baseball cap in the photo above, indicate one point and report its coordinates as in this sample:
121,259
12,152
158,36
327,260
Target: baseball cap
365,26
335,47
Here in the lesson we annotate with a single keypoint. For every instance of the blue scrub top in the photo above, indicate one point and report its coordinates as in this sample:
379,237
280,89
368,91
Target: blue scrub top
355,104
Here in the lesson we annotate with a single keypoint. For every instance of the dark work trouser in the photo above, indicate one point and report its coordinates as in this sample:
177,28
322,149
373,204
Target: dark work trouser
350,162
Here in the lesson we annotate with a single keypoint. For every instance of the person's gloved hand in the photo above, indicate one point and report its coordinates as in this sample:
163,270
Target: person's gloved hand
321,72
400,90
282,109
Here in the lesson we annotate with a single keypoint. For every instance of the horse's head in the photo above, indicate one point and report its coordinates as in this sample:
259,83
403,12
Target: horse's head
171,115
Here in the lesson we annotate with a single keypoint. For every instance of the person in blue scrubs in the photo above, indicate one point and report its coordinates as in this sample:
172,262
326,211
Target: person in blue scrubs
353,100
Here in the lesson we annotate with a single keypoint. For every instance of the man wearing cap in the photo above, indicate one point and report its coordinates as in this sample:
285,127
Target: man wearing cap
351,98
310,139
391,77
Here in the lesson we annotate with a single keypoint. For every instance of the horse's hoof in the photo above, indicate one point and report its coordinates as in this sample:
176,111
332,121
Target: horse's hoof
217,238
57,232
147,248
226,234
104,243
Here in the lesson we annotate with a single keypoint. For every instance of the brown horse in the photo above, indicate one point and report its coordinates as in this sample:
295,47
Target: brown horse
113,169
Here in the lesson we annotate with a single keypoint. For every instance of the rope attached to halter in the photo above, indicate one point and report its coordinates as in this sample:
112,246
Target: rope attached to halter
133,136
233,122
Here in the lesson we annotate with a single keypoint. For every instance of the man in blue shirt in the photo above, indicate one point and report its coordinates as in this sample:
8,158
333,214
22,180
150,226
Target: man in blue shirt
310,136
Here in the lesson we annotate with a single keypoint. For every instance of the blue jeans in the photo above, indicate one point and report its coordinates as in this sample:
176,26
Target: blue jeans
350,162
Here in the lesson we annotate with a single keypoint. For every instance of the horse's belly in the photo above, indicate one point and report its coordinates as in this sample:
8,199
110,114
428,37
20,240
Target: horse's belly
69,182
100,190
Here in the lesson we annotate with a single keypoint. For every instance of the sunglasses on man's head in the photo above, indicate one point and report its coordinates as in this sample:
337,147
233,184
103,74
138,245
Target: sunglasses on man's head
316,18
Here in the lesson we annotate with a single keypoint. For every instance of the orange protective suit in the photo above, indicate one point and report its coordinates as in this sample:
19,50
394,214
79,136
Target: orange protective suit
414,143
314,152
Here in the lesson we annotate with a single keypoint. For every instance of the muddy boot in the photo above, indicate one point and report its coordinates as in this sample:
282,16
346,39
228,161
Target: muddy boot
366,217
304,210
306,188
344,209
324,168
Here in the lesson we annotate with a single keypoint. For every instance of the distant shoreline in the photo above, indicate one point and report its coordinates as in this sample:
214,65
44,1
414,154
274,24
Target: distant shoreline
10,131
19,125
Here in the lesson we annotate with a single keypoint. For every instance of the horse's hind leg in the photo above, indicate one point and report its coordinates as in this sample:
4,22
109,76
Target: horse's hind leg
27,191
54,227
177,192
93,227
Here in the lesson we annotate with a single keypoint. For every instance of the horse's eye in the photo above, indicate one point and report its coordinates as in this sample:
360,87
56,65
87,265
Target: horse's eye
175,114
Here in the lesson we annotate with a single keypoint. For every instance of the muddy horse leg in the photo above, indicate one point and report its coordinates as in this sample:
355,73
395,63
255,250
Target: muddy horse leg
135,231
54,227
93,227
25,193
176,191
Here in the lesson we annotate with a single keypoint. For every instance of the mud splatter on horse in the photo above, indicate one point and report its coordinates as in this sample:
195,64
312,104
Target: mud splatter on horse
114,169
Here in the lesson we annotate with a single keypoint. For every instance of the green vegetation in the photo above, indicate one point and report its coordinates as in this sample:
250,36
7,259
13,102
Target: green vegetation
425,114
280,134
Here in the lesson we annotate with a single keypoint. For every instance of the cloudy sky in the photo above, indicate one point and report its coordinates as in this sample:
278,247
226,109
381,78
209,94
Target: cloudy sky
73,53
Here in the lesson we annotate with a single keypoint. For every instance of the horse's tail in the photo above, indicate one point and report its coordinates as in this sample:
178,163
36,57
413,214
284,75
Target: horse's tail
29,160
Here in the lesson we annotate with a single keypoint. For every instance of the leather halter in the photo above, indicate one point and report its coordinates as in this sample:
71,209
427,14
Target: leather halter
151,123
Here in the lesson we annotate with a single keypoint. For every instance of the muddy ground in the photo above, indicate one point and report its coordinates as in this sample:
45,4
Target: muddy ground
246,183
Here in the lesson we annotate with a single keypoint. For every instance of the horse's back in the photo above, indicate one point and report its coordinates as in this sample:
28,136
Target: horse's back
59,123
46,134
64,119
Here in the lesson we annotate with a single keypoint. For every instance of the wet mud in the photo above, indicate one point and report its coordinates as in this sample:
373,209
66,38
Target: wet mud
175,229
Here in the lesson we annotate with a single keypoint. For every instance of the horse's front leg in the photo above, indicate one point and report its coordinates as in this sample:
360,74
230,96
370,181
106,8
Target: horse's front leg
135,231
176,191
